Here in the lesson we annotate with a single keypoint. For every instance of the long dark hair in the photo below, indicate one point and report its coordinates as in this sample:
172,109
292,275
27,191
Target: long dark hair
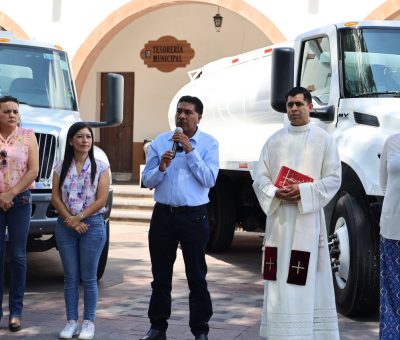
69,152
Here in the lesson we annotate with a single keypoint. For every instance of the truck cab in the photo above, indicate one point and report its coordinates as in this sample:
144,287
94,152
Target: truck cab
39,75
352,71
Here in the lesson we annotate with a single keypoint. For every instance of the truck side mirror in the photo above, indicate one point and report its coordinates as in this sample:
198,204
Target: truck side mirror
281,76
325,114
115,102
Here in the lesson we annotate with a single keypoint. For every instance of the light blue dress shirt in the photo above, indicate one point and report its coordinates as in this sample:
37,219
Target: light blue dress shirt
188,179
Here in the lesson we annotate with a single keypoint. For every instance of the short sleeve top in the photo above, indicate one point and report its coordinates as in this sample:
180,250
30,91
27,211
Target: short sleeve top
14,154
77,191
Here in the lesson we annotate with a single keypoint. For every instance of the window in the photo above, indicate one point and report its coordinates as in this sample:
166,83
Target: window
316,69
371,62
38,77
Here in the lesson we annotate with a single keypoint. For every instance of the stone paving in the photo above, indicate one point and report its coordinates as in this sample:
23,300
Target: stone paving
234,281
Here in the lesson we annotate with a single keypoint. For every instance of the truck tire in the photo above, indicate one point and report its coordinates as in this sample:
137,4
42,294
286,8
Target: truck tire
356,282
221,216
104,254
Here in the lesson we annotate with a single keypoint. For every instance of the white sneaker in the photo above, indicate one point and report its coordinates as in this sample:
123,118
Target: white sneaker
70,329
87,331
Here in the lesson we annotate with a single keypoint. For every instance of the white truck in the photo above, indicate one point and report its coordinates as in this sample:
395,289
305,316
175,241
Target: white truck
353,72
39,75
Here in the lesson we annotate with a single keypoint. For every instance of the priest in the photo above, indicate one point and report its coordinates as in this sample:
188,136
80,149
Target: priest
299,301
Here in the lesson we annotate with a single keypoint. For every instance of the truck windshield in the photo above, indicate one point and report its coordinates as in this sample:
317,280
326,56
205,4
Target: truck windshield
36,76
371,59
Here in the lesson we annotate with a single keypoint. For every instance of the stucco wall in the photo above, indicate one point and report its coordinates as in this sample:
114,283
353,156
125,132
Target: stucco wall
71,23
153,88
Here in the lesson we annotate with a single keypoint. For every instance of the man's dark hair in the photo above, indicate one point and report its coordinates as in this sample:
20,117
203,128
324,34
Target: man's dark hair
5,99
299,90
198,105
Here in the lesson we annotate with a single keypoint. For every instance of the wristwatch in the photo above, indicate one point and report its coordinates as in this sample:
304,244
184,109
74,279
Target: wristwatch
81,216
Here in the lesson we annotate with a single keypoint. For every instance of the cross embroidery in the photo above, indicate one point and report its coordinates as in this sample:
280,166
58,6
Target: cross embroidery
298,267
270,263
286,178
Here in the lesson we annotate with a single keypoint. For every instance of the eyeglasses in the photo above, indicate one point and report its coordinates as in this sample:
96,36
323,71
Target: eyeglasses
3,161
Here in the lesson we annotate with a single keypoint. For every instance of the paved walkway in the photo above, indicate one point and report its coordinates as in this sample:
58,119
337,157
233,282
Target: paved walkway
234,281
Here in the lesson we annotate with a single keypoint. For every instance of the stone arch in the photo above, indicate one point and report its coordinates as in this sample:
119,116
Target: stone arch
12,26
119,19
388,10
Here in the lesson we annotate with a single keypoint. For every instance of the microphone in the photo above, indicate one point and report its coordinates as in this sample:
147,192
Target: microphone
175,144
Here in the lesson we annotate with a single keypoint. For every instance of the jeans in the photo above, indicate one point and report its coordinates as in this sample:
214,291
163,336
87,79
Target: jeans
190,229
16,220
80,255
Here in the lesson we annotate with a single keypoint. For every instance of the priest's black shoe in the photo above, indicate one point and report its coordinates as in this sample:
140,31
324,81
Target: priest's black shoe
155,334
201,337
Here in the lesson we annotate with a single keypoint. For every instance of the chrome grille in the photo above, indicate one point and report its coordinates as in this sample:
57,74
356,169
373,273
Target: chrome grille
47,150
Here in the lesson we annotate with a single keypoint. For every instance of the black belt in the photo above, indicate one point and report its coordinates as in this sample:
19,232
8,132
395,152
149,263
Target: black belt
182,208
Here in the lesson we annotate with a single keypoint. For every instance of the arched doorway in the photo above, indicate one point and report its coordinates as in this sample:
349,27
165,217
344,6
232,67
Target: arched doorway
115,24
389,10
10,25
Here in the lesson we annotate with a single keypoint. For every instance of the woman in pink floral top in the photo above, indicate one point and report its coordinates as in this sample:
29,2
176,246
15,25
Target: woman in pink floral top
19,166
80,189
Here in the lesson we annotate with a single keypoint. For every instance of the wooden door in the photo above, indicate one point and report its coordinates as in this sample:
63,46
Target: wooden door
117,142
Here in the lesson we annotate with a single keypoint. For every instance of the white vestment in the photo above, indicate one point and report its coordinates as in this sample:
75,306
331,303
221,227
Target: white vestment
294,311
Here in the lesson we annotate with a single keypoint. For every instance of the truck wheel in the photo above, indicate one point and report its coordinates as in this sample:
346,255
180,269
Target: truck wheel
104,254
356,281
221,216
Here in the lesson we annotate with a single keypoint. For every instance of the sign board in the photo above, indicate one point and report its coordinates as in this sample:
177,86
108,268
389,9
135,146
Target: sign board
167,53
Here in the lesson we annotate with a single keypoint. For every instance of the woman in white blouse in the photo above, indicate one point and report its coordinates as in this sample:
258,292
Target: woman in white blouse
80,190
390,240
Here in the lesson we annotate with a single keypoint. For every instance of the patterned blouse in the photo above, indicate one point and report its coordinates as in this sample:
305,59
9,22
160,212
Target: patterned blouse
14,158
77,191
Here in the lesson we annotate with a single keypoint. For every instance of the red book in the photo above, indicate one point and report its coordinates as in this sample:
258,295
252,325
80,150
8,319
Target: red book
289,176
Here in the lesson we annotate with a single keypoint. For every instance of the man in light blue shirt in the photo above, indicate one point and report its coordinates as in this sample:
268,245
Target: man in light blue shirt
182,181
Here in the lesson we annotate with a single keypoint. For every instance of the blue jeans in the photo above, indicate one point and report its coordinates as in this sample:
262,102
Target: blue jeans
16,220
80,255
